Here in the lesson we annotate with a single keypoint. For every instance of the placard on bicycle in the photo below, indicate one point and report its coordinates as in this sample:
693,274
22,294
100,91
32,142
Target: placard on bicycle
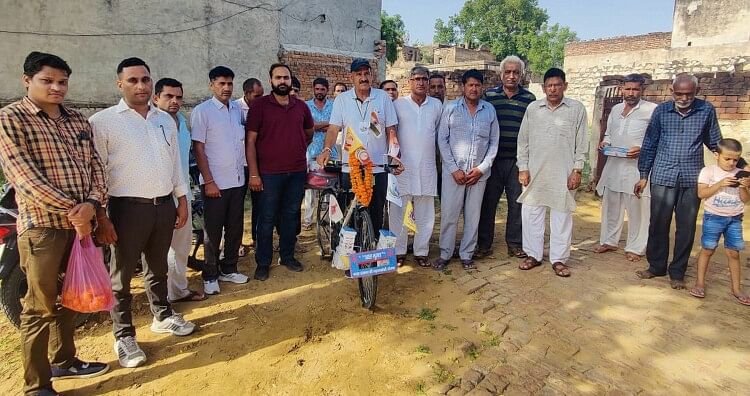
373,262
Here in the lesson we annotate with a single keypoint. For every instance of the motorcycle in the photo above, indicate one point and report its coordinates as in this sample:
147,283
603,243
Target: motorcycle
12,279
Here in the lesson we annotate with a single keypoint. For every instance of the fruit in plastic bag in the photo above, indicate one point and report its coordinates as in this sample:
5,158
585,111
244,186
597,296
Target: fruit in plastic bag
87,287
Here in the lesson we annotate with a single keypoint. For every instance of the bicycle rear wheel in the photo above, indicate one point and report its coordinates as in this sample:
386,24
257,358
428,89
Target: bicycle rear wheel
365,241
324,227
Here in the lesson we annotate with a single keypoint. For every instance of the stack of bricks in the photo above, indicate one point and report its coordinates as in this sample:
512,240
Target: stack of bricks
728,92
619,44
307,66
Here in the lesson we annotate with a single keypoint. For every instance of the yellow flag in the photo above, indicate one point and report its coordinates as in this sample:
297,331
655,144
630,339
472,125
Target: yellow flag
409,221
351,141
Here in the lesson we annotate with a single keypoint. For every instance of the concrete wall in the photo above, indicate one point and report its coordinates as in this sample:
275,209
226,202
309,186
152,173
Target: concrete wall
248,41
302,29
448,55
710,22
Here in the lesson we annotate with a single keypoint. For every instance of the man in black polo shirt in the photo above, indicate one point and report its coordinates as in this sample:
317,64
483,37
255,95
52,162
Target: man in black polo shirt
510,101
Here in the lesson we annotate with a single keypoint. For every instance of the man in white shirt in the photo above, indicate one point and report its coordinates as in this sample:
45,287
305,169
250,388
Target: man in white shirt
419,118
168,98
370,114
626,128
219,146
552,145
137,144
251,90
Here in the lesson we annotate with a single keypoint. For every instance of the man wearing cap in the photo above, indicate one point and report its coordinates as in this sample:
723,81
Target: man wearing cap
370,114
468,139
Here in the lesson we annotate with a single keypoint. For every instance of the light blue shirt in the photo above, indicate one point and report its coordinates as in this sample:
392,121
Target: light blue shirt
467,141
184,141
319,136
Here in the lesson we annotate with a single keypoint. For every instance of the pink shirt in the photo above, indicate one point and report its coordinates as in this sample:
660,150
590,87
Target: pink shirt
726,202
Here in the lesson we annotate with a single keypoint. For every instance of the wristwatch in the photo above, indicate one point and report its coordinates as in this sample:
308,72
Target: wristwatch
94,202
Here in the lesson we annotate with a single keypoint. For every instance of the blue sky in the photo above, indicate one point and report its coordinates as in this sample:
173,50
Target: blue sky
590,19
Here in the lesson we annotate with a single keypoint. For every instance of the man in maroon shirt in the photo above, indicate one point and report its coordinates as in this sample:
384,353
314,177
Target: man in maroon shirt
278,127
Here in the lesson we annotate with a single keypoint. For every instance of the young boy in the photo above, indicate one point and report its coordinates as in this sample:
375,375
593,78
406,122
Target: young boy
725,196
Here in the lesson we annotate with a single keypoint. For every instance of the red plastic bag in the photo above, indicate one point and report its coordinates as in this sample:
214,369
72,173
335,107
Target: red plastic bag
87,287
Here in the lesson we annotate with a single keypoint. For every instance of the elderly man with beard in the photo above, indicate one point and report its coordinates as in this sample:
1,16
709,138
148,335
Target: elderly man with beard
370,114
626,127
671,158
279,127
219,145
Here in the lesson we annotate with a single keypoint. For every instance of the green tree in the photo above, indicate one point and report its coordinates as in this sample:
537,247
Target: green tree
393,31
506,27
445,33
548,47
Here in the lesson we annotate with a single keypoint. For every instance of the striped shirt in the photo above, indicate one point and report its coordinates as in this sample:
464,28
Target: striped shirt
52,164
510,113
672,151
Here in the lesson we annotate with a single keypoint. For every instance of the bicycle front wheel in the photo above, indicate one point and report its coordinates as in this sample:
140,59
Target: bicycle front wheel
324,228
365,241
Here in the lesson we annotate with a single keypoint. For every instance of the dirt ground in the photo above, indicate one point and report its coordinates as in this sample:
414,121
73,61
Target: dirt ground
497,330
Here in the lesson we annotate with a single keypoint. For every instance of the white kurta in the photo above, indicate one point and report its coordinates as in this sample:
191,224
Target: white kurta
417,130
621,174
551,143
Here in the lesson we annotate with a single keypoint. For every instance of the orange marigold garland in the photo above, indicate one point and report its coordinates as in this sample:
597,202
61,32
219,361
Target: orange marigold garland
362,188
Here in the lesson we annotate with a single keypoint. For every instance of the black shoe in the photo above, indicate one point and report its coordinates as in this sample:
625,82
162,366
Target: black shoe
293,265
261,273
79,369
47,392
480,253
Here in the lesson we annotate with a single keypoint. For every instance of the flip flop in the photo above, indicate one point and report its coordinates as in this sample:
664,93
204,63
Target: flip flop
422,261
644,274
529,263
698,292
193,296
468,265
605,248
741,298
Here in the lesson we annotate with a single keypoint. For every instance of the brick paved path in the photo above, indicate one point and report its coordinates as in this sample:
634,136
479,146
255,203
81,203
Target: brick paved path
602,331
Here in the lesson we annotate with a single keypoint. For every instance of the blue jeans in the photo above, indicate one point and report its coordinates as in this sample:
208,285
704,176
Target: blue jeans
714,226
281,197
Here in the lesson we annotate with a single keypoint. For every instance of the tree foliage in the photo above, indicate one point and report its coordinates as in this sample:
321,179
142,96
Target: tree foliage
393,31
507,27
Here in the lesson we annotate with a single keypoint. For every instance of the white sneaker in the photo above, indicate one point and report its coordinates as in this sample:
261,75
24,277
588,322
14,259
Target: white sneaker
129,353
175,324
211,287
234,277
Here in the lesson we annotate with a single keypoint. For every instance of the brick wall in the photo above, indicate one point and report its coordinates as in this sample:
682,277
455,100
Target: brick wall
728,92
307,66
619,44
453,82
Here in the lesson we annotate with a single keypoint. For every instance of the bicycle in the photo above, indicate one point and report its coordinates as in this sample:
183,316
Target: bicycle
358,218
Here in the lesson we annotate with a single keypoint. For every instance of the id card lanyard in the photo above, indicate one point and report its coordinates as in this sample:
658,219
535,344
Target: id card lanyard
364,124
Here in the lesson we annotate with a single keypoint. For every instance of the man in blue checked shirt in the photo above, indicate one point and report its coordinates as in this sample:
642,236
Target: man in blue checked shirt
672,156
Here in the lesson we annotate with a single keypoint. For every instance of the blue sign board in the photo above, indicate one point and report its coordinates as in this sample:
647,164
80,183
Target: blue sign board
374,262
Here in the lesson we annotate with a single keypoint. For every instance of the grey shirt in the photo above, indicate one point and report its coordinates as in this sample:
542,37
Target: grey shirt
467,141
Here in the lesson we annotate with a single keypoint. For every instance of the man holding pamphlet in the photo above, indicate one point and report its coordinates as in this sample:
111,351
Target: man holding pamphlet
626,127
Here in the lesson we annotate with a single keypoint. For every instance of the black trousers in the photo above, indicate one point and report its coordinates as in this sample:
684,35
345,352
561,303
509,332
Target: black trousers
142,228
504,177
224,214
684,203
377,203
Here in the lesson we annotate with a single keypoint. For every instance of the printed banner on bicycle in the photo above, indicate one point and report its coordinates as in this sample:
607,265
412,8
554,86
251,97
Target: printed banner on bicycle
374,262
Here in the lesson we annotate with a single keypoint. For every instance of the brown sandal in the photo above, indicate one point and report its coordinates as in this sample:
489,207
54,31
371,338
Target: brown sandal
529,263
561,269
422,261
